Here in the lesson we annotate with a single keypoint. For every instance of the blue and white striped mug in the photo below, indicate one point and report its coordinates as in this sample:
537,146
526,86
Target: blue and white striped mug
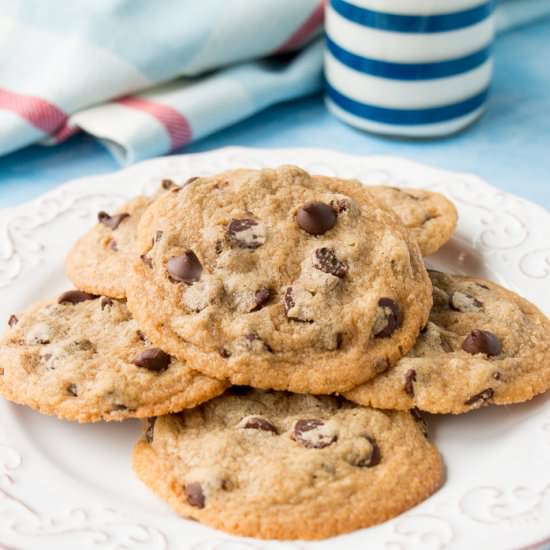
417,68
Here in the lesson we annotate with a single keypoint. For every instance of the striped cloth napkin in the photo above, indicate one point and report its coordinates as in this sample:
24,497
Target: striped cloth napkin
146,78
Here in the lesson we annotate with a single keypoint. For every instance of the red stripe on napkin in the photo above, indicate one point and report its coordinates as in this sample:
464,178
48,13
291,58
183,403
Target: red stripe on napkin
176,125
36,111
305,31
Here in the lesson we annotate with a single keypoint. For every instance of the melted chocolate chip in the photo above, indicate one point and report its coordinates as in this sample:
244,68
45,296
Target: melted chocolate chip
392,317
75,297
482,341
327,262
316,218
410,378
185,268
371,460
309,433
112,221
119,407
257,423
195,495
288,300
152,359
261,297
106,302
465,303
242,233
158,236
339,340
147,261
113,245
72,390
225,353
141,336
482,396
12,321
417,416
150,430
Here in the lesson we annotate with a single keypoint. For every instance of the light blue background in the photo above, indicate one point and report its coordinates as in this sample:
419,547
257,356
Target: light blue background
509,146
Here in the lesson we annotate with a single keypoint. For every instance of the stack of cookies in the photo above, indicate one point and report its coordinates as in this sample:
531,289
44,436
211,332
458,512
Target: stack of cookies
281,334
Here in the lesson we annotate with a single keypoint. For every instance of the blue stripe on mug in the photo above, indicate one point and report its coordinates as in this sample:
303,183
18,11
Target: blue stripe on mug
413,23
408,71
406,117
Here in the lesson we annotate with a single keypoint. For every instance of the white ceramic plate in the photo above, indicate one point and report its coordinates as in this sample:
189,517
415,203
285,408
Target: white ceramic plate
69,486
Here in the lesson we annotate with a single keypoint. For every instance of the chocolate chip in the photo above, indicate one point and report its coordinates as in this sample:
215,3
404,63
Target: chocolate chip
316,218
12,321
195,495
147,261
257,423
246,233
225,353
158,236
482,341
288,300
310,434
167,184
389,319
113,245
150,429
483,286
253,337
497,375
339,340
465,303
141,336
112,221
218,247
75,297
371,460
119,407
482,396
73,390
326,261
261,297
185,268
410,378
106,302
152,359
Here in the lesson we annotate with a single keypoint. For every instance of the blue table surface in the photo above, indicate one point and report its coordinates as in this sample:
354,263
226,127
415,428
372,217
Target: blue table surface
509,146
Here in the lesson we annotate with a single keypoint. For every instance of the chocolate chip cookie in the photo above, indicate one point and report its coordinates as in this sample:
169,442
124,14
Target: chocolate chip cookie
100,260
278,279
82,357
287,466
483,345
430,216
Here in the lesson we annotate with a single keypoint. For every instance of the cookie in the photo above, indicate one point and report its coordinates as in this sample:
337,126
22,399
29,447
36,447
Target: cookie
483,345
430,216
82,357
100,260
276,465
276,279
